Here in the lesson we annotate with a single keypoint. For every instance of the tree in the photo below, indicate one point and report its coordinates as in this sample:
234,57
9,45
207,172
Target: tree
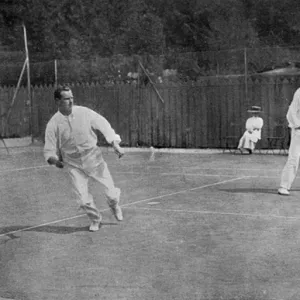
142,34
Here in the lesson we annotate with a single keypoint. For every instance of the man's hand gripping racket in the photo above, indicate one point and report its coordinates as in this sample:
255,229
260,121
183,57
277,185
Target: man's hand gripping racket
58,163
118,150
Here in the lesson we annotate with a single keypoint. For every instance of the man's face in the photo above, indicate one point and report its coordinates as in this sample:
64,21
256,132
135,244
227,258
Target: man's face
65,103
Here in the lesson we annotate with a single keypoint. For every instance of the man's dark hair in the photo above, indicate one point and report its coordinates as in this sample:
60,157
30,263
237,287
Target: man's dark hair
59,89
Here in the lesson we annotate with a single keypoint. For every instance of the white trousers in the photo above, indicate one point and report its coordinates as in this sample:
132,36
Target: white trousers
80,179
290,169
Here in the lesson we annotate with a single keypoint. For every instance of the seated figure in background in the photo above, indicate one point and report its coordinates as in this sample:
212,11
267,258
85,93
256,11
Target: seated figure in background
253,130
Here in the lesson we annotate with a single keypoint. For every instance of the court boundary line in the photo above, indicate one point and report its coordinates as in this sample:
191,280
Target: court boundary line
162,174
153,167
184,191
220,175
24,169
120,172
125,205
216,213
178,174
41,225
199,174
208,168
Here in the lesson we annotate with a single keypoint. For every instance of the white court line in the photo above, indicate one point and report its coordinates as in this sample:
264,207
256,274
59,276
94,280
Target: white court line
122,172
125,205
197,174
218,175
41,225
246,169
175,174
162,174
218,213
209,168
24,169
131,172
154,167
184,191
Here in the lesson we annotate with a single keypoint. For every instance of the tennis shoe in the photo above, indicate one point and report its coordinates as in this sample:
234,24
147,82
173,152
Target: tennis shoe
283,191
95,226
116,210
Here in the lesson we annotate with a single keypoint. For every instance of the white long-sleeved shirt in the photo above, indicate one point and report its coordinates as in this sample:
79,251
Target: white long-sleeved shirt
255,125
293,114
74,139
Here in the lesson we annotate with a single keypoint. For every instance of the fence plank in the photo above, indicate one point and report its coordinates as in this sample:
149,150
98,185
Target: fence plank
160,111
173,120
133,100
142,118
203,109
166,118
148,114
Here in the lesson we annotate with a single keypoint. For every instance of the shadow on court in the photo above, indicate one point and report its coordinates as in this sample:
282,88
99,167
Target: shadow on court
250,190
49,228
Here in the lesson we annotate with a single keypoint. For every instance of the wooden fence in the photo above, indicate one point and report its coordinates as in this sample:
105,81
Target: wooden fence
193,115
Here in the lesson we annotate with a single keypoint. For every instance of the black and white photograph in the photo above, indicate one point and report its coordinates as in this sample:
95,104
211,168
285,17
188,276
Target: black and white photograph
149,149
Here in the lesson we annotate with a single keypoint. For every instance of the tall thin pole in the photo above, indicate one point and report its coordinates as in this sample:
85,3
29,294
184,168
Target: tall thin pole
152,83
28,82
16,91
246,75
55,72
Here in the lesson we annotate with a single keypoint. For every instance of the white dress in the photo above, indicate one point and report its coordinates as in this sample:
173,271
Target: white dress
252,133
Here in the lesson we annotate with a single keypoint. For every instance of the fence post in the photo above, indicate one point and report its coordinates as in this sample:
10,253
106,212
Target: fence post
246,74
55,73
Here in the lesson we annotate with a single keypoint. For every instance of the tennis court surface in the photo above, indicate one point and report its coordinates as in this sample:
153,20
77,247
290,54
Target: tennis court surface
196,226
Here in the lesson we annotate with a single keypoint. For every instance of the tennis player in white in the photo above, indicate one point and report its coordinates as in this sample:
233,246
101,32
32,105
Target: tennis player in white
71,142
290,169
